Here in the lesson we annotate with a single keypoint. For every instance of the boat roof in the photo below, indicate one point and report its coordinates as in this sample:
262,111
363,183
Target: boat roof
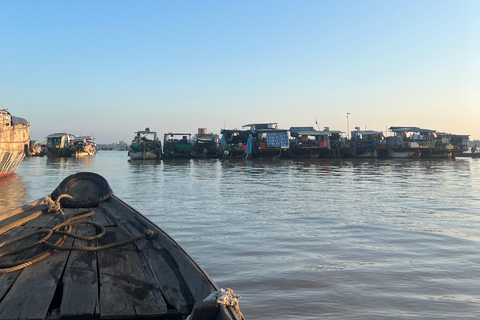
444,134
265,124
177,134
367,132
84,138
18,120
235,130
310,131
59,135
409,129
146,132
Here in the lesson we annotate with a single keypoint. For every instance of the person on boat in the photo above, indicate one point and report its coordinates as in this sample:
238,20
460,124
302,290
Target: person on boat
474,149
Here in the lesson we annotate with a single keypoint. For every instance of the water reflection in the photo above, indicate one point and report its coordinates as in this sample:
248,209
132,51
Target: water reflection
12,191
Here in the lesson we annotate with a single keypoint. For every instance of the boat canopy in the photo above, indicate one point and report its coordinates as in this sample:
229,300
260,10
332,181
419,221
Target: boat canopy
79,138
260,126
59,135
306,131
451,135
410,129
18,120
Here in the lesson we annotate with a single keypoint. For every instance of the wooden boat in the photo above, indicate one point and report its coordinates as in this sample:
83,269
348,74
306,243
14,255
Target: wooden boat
98,258
14,142
145,146
84,146
234,143
310,143
205,145
410,142
266,141
60,145
367,144
448,145
177,146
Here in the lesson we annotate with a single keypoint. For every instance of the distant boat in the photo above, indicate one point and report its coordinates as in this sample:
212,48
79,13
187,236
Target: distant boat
100,259
367,144
177,145
84,146
410,142
205,145
234,143
255,140
145,146
309,143
14,142
60,145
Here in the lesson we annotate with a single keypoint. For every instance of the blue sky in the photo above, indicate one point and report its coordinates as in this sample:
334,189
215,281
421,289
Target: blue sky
110,68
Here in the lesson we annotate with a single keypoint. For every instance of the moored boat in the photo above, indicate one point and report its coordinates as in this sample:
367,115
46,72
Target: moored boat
266,140
82,253
448,145
84,146
177,146
205,145
367,144
60,145
234,143
410,142
145,146
307,142
14,142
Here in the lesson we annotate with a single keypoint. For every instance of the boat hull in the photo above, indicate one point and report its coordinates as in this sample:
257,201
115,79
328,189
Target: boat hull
14,143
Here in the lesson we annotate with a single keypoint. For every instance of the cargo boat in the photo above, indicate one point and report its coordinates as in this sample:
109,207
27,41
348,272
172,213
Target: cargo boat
14,142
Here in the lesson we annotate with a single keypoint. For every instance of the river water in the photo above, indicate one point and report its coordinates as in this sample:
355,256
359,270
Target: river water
306,239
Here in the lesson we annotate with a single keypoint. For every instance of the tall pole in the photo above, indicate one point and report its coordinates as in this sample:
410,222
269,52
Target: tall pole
348,127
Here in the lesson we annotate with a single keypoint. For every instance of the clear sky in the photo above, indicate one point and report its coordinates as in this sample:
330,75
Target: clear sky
110,68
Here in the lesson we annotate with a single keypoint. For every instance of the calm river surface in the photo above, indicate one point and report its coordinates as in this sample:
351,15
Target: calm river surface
306,239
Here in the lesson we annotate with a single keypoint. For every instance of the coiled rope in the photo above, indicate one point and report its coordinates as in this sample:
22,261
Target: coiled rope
64,229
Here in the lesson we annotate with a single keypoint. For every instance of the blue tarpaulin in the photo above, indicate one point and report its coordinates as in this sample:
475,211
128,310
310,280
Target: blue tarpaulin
248,149
277,139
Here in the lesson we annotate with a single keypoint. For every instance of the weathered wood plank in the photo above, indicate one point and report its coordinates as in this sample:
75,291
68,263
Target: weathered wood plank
22,209
21,302
80,282
198,281
23,217
124,291
176,285
6,280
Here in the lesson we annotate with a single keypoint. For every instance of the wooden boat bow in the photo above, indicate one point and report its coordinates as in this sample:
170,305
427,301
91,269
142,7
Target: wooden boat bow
128,268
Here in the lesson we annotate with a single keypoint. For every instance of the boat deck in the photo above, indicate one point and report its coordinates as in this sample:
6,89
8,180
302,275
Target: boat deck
148,278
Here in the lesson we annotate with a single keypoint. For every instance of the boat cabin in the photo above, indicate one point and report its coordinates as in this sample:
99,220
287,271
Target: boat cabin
60,144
